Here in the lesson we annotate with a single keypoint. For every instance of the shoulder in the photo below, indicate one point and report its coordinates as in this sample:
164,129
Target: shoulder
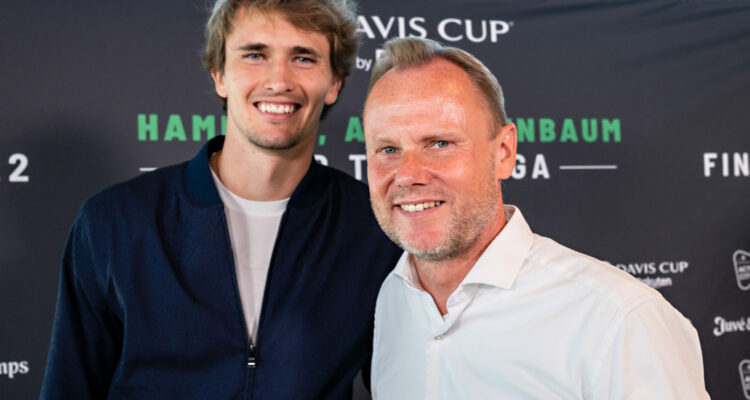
608,294
589,275
623,317
141,190
138,198
347,205
346,184
349,196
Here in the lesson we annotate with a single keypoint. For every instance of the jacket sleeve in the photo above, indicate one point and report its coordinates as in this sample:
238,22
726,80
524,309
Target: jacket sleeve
86,337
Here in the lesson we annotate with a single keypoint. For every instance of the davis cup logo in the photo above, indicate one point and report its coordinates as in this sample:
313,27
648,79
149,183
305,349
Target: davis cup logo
745,377
741,260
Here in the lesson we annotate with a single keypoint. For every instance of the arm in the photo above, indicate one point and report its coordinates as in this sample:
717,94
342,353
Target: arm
653,353
86,338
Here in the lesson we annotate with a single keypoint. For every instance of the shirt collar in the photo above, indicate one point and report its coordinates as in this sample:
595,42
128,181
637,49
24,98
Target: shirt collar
406,270
201,188
500,263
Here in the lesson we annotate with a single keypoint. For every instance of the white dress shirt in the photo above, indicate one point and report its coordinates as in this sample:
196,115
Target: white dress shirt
533,320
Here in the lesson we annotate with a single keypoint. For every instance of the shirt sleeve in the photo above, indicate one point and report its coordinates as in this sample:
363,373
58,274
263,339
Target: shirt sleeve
653,353
86,338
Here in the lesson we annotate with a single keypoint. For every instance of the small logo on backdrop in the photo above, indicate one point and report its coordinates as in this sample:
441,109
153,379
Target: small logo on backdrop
731,326
12,368
657,274
376,27
745,377
741,260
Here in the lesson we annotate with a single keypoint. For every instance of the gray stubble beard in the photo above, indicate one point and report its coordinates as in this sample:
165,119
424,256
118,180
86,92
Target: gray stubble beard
463,231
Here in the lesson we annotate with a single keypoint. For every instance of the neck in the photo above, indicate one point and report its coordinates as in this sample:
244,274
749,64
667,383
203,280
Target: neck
441,278
261,174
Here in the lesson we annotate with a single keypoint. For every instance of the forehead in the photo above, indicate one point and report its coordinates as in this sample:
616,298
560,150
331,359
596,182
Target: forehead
272,26
439,89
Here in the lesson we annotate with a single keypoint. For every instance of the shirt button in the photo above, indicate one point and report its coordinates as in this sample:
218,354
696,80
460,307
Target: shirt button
439,337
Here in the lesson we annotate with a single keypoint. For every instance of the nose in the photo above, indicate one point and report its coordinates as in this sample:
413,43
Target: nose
412,170
278,77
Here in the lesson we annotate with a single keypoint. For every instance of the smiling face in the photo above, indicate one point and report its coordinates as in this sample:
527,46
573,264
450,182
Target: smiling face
276,80
433,169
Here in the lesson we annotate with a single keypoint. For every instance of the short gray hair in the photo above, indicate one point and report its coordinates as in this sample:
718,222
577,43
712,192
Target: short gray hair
409,52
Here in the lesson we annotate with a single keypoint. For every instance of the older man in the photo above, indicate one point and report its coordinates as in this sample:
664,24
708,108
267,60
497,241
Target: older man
479,307
249,271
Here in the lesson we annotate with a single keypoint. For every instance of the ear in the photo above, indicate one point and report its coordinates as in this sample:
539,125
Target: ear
219,84
333,92
505,162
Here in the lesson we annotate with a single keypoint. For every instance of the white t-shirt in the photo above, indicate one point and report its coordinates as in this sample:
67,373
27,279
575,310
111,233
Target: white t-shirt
253,226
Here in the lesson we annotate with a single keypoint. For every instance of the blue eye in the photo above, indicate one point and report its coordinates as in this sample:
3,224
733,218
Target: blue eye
388,150
253,56
304,60
442,144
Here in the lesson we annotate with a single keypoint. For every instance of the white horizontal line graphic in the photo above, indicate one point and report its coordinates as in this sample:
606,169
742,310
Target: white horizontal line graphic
146,169
587,167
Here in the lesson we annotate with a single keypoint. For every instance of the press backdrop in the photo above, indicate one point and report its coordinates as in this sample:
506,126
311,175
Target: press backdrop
633,116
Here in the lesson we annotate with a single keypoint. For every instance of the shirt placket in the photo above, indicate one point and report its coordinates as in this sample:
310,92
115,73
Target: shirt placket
439,344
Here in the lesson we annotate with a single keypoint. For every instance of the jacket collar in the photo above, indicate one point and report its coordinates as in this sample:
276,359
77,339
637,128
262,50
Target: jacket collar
201,189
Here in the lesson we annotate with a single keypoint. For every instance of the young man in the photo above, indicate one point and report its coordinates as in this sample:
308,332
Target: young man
479,307
247,272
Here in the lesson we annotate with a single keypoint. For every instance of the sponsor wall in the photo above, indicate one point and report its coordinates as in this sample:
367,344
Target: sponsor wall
633,120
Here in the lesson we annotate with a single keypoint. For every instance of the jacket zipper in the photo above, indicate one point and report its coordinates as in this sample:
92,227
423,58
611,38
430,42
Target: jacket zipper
251,356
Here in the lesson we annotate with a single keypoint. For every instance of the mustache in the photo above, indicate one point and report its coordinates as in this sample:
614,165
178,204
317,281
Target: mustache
402,193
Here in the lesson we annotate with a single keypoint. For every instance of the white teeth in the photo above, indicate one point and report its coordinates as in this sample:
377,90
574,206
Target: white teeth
420,206
276,108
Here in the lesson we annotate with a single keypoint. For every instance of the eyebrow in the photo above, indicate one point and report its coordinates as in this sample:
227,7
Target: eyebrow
305,50
438,136
295,50
252,47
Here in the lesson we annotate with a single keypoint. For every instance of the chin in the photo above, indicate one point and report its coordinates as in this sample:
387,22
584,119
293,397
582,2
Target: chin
282,143
429,250
432,254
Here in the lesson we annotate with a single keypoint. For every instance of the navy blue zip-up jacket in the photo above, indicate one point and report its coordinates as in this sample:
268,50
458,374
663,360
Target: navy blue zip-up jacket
149,306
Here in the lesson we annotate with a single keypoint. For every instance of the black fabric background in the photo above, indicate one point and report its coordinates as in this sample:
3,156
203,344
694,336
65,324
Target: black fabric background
676,74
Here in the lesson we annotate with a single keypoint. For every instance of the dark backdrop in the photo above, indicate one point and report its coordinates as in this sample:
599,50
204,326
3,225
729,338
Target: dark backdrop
633,118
